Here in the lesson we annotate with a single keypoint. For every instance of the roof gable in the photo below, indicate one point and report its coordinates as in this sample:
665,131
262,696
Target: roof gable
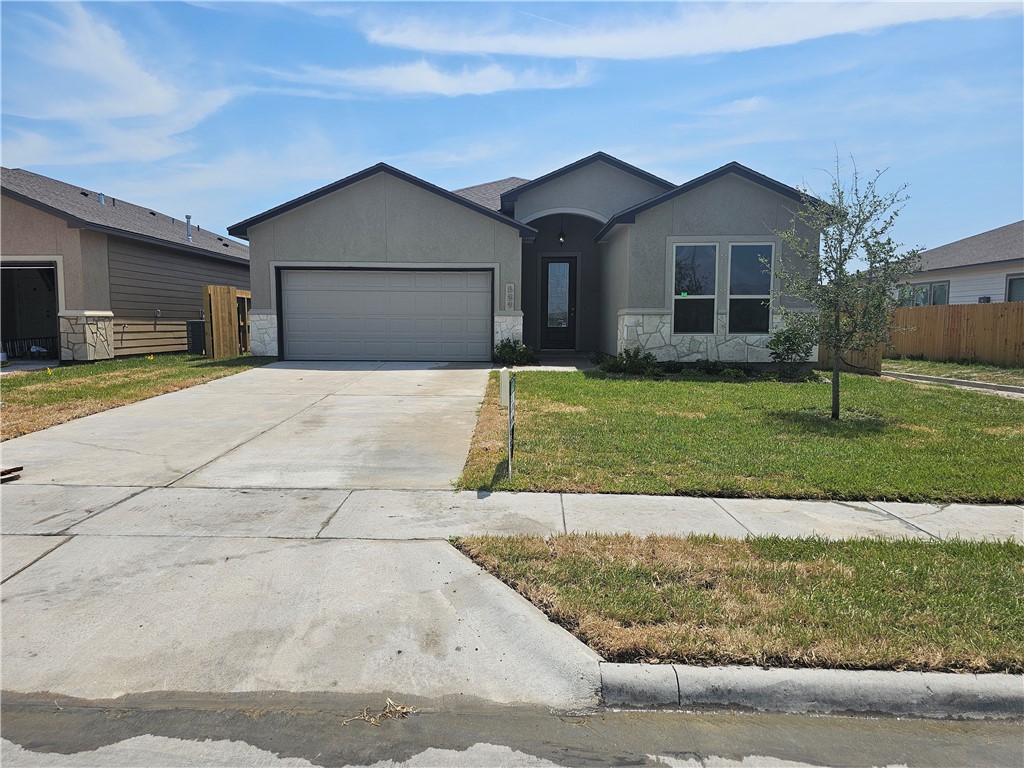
628,216
241,229
1000,244
509,197
90,210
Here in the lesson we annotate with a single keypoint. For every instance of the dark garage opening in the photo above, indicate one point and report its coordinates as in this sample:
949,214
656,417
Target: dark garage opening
28,311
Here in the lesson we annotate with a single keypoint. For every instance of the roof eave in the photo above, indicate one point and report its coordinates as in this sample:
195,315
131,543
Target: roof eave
241,229
75,222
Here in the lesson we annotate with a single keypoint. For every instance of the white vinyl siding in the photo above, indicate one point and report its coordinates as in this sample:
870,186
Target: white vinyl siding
967,284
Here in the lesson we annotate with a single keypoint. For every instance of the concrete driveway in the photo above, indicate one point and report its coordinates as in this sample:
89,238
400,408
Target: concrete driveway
175,545
286,425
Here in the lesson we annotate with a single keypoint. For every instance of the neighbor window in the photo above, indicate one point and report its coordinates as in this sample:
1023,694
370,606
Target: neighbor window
927,294
1015,287
696,269
750,287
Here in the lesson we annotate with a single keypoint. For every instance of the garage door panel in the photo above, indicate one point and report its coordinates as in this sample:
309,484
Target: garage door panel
386,315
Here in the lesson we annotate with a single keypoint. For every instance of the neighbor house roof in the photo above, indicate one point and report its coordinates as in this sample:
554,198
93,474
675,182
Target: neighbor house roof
509,197
241,229
1002,244
489,195
628,216
82,208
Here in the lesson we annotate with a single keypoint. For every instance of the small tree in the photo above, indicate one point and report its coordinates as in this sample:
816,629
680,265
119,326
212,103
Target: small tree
853,305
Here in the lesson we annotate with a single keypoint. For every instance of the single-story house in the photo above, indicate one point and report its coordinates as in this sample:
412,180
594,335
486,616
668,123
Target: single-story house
90,276
976,270
597,255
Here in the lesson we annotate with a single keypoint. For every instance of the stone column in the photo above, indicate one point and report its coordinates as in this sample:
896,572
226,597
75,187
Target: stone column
508,325
263,334
86,335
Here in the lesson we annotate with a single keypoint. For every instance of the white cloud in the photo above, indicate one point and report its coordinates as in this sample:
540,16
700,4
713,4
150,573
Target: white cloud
687,30
88,97
424,78
740,106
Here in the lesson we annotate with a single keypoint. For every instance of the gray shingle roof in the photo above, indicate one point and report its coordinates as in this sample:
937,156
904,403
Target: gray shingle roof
116,216
1002,244
489,195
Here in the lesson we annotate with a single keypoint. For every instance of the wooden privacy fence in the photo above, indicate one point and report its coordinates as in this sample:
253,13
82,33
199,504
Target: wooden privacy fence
986,333
227,320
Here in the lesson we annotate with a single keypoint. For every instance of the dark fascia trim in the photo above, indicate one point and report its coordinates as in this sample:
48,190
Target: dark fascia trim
509,197
74,222
241,229
628,216
1008,260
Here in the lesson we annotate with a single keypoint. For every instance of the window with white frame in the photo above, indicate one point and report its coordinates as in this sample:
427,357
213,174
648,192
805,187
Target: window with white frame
750,287
927,294
696,278
1015,287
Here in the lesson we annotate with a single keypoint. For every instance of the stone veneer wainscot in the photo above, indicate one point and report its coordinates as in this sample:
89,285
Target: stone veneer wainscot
508,326
652,331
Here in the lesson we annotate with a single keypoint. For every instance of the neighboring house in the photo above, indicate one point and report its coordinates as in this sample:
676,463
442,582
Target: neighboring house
598,255
976,270
92,276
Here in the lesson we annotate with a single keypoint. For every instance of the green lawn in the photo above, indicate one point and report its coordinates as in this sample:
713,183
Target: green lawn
993,374
35,400
896,440
859,604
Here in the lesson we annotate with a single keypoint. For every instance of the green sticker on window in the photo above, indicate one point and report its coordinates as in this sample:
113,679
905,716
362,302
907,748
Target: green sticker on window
683,293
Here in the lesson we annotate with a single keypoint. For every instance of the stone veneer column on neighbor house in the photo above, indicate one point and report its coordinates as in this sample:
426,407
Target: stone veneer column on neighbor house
508,325
263,334
86,335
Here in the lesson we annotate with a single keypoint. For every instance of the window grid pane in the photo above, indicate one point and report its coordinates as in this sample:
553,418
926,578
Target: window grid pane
750,270
695,270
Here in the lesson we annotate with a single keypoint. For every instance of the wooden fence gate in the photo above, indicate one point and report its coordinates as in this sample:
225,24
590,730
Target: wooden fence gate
227,320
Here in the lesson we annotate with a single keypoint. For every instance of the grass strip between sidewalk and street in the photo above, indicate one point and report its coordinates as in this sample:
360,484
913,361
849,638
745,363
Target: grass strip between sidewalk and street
35,400
699,435
953,606
991,374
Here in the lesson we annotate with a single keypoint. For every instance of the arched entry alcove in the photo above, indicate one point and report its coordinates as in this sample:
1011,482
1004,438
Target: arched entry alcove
563,283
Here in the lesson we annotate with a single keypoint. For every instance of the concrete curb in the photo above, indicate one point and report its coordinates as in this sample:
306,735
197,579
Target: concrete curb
955,382
820,691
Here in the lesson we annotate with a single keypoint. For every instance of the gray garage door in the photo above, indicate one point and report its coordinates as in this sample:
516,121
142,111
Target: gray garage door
386,315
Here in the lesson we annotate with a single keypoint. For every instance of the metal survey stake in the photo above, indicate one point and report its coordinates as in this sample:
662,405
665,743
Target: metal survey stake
511,420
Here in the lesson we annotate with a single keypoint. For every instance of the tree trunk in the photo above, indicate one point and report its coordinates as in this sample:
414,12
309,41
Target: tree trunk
835,385
835,367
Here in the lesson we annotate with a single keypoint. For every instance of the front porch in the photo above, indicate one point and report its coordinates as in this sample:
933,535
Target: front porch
563,287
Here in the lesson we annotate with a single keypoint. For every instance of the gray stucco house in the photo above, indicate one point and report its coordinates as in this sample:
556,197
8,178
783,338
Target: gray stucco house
88,276
597,255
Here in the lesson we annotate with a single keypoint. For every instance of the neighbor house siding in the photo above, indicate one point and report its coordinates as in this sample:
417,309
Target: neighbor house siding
967,284
146,279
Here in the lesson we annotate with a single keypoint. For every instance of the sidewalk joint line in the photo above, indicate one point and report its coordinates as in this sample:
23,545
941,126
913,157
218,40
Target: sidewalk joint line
331,516
894,516
730,514
245,442
67,531
561,504
29,565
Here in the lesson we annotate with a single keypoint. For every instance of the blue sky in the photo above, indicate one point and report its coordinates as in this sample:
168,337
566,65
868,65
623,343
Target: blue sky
223,110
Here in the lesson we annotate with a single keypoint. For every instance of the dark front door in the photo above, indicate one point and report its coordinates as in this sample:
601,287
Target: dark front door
558,302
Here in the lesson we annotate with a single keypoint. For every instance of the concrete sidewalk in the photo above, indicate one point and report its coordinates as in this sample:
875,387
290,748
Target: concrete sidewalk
429,514
208,590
